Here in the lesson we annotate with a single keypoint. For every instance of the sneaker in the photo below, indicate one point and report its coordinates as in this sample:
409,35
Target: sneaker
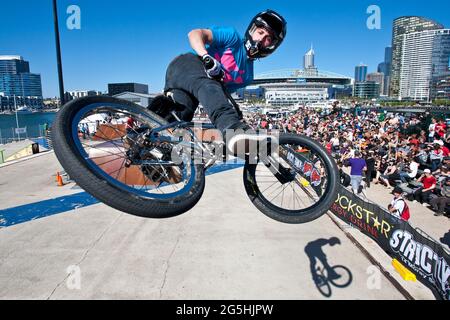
425,204
243,139
437,214
414,201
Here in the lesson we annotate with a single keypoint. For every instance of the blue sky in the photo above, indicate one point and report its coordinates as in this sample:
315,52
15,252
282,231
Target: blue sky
135,40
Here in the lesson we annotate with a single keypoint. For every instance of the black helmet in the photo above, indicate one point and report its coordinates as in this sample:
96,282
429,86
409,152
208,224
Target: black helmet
271,21
334,241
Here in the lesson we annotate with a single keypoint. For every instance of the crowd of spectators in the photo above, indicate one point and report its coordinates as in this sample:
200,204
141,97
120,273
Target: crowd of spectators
411,152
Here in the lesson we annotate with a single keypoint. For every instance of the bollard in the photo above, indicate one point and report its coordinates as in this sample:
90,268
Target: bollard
2,156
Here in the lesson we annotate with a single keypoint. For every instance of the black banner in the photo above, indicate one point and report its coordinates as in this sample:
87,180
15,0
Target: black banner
424,257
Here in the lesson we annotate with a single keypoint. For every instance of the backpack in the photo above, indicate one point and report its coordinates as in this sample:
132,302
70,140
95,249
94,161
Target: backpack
405,214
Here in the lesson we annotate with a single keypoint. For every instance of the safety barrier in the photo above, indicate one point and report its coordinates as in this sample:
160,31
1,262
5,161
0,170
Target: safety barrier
428,260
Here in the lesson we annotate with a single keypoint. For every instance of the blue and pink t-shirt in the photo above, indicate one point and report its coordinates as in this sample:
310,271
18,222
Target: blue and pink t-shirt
228,48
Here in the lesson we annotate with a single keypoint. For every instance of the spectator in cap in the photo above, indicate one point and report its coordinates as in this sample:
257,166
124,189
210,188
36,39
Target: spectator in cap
397,204
436,157
429,184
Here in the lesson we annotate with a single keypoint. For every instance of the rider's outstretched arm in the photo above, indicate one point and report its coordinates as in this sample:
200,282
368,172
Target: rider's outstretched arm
198,38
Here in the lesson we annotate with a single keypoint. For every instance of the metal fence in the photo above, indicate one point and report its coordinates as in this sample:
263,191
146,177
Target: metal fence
8,135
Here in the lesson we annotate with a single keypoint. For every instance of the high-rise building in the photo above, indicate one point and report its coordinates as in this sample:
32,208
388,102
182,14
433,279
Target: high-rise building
116,88
366,90
388,56
440,87
440,78
401,28
377,77
360,73
385,68
16,79
308,63
425,55
13,65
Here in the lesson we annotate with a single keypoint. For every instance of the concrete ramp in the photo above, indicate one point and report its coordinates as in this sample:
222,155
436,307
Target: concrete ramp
17,150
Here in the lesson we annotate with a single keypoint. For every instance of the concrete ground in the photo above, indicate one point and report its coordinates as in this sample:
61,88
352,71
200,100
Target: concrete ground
223,248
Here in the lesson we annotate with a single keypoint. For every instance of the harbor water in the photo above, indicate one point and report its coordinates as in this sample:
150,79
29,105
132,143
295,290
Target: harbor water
33,122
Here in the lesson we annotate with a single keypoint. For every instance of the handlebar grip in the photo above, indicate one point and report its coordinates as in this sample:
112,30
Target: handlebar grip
208,62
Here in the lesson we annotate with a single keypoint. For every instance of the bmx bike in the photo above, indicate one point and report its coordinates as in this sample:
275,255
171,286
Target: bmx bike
133,169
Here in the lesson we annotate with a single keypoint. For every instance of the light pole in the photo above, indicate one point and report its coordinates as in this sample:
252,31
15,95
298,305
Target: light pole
17,118
58,53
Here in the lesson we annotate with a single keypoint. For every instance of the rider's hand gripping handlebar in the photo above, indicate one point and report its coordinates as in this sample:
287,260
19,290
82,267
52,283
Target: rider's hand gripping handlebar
213,68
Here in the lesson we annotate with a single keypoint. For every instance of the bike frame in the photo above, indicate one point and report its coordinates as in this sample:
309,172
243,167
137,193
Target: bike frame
201,149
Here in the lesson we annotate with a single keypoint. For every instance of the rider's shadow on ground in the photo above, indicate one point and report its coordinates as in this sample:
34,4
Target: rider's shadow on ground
323,274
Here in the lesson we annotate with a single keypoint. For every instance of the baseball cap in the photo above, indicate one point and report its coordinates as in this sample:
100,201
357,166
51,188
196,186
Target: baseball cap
427,171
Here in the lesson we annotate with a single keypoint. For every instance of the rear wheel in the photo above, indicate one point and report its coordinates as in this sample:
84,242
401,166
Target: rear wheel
306,187
93,144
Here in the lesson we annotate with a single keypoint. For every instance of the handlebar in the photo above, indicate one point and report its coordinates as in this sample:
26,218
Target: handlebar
209,63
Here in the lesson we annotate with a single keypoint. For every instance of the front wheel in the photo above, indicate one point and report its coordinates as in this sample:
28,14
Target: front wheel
304,186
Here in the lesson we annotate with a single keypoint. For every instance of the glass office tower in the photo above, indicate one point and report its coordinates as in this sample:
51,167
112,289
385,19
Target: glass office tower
403,26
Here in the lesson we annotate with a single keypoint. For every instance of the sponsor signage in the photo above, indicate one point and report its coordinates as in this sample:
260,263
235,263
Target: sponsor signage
428,260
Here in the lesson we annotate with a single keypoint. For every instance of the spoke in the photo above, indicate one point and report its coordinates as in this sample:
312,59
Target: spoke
143,187
100,164
267,181
278,193
293,196
111,154
121,167
103,150
273,191
299,199
269,187
121,137
110,173
111,141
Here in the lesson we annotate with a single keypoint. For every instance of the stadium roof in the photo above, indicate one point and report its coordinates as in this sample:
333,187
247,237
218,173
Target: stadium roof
297,73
